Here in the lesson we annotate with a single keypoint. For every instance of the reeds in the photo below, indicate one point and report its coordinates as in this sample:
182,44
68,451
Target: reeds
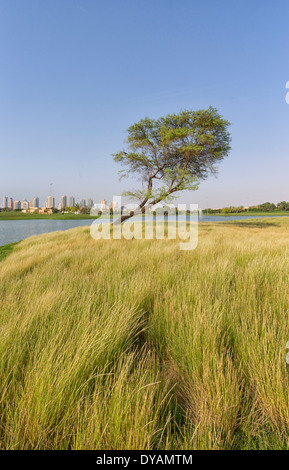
138,345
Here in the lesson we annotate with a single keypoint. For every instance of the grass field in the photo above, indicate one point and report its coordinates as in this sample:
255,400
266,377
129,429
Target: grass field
138,345
18,215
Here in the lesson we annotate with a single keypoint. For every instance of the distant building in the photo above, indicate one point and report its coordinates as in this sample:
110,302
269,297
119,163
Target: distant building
71,201
82,203
103,204
11,204
25,204
50,204
63,203
5,202
89,203
16,205
35,202
113,205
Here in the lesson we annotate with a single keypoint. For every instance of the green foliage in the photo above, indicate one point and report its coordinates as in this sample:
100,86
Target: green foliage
235,210
267,207
84,210
173,153
13,215
283,206
6,250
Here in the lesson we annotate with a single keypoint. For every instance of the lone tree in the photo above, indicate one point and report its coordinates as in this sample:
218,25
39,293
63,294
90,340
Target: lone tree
172,153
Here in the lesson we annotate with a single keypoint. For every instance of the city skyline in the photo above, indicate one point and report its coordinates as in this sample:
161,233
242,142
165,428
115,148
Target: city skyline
35,201
8,202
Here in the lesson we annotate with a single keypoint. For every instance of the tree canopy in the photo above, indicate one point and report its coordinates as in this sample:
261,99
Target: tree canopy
173,153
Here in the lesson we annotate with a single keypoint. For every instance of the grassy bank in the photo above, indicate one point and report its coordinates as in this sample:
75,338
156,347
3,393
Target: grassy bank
6,250
138,345
16,215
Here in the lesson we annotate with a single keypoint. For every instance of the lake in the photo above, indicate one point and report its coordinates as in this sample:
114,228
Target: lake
15,230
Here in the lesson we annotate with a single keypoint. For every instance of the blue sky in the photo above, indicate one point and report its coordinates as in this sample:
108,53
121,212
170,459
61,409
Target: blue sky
75,74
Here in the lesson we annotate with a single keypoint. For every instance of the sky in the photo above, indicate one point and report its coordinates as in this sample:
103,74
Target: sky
75,74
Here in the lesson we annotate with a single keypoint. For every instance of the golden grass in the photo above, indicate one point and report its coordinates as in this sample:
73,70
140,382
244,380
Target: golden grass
138,345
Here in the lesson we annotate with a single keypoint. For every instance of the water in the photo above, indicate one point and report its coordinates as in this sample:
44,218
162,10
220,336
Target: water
15,230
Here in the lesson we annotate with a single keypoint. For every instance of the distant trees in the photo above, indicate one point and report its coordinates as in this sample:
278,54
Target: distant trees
267,207
84,210
236,210
283,206
264,207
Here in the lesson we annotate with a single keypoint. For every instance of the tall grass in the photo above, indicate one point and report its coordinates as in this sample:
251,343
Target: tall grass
138,345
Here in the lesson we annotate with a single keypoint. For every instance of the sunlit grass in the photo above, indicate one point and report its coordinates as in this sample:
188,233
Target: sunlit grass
138,345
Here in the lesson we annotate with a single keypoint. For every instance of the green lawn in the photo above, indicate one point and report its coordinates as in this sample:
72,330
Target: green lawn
6,250
20,216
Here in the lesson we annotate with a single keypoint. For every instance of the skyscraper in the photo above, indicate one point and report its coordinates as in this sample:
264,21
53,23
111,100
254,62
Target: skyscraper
103,204
63,202
82,203
5,202
10,205
24,204
71,201
113,204
35,202
89,203
16,205
50,202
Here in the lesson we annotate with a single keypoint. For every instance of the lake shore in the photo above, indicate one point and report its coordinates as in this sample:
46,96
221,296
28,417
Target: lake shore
5,250
22,216
15,229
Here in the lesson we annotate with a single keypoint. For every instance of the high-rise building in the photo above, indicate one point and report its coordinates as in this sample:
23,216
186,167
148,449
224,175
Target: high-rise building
50,204
16,205
35,202
113,205
82,203
89,203
11,205
24,204
71,201
103,204
63,202
5,202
